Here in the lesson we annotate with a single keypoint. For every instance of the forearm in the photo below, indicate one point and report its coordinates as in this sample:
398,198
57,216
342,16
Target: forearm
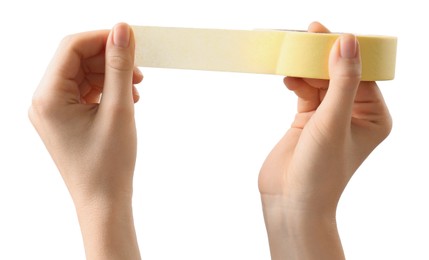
297,235
108,230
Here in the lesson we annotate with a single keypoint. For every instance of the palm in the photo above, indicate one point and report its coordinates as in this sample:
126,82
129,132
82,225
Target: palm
291,168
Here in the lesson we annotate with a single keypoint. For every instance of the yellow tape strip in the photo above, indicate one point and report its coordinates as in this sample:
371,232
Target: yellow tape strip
288,53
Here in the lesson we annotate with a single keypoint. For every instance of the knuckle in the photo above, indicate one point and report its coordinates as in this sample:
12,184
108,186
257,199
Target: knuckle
351,71
349,75
387,128
30,114
120,62
68,41
40,108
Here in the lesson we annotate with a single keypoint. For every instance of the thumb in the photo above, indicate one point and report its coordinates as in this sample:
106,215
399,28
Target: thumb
345,74
118,80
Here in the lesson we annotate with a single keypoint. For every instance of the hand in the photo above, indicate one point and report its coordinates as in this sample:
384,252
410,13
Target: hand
338,124
91,137
83,110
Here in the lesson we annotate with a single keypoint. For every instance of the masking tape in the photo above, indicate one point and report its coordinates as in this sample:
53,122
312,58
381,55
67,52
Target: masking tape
287,53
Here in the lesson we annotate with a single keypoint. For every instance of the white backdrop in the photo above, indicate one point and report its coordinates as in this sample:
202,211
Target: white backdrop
204,135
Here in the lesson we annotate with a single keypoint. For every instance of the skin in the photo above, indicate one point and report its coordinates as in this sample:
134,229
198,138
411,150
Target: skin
338,124
83,109
92,138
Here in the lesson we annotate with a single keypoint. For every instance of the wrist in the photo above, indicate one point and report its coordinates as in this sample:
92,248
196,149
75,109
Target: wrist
295,233
97,190
102,201
293,210
107,228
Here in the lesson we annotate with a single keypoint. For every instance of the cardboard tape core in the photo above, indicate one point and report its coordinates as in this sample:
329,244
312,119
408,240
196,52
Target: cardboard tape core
287,53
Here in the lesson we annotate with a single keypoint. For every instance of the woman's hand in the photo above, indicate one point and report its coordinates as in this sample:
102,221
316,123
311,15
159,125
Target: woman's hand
338,124
83,110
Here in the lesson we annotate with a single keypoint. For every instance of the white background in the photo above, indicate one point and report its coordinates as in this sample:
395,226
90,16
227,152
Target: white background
204,135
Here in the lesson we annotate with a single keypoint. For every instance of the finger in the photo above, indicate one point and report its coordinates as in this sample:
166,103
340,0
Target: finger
308,96
368,92
91,81
92,97
97,81
344,73
136,95
369,104
97,65
317,83
58,85
118,83
74,49
317,27
137,75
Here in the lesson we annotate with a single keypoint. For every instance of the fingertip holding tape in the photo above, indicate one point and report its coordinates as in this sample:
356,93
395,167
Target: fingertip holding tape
287,53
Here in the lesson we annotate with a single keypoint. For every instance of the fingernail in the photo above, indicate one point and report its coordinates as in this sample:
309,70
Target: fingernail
121,35
348,46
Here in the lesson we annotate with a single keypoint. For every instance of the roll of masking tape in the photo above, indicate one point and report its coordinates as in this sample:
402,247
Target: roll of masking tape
288,53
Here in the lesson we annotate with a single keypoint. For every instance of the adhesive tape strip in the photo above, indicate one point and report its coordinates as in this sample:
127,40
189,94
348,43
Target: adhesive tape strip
288,53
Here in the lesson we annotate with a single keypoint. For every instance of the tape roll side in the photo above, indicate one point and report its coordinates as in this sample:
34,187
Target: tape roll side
288,53
378,56
305,55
